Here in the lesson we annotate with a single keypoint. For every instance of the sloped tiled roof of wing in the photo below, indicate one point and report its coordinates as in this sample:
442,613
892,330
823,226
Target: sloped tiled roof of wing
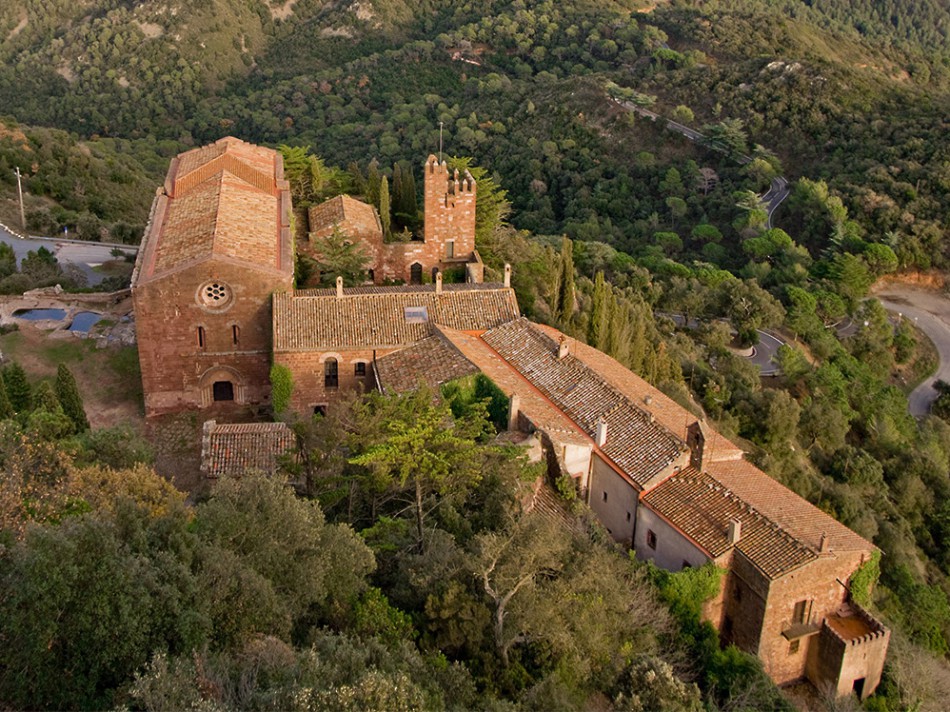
228,200
636,442
378,317
433,361
341,210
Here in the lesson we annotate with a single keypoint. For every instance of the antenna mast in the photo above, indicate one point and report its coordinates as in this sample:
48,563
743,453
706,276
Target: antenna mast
19,186
440,142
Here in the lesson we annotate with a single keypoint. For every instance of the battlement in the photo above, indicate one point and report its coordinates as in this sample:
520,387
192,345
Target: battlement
449,209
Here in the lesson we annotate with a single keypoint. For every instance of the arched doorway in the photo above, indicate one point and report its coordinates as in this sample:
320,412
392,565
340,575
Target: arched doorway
415,273
222,391
331,375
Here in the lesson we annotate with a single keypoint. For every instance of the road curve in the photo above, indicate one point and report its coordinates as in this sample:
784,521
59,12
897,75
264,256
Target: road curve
931,313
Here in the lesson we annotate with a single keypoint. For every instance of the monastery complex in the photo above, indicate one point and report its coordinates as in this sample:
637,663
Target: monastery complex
215,307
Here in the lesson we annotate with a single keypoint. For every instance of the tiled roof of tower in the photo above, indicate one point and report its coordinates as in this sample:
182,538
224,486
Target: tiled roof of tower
235,449
226,200
339,210
670,414
374,317
701,507
635,442
432,361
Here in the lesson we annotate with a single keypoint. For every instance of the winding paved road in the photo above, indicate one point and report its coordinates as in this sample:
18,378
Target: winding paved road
931,313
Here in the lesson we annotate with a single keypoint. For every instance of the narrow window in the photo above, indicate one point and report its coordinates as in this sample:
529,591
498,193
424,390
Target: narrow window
235,334
793,646
800,609
330,374
201,337
223,391
415,273
628,516
359,369
450,249
605,496
651,539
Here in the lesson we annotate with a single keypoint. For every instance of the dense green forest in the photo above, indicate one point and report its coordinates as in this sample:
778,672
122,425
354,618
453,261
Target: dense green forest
848,100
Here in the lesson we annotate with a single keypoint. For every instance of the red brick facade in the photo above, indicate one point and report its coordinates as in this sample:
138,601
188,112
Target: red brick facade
217,246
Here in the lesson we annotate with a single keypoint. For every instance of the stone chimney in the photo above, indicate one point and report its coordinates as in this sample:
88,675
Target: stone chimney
562,347
823,544
514,409
735,531
438,283
339,287
600,437
507,275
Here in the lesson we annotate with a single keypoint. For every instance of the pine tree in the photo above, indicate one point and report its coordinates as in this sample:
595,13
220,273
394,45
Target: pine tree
18,387
68,394
45,399
565,299
384,213
6,409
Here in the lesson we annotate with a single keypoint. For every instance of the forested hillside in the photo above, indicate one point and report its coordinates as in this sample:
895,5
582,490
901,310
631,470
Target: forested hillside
608,218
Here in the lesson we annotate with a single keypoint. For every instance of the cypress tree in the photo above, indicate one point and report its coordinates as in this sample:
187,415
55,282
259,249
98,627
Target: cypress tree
565,300
68,394
405,207
599,325
373,180
6,410
18,387
384,213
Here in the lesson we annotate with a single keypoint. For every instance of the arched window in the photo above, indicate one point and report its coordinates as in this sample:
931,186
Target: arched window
415,273
330,373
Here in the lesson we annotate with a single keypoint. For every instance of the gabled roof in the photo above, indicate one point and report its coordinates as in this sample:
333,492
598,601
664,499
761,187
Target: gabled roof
238,448
702,508
635,441
668,413
227,200
433,361
385,317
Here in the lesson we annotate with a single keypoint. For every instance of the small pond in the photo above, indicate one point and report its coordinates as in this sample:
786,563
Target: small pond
40,314
83,321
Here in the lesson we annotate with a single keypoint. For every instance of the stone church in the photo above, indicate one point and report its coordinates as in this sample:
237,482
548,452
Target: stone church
215,307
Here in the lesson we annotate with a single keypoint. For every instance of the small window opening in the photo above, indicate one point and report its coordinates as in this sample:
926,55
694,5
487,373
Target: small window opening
605,496
201,337
801,609
330,373
628,516
236,334
223,391
793,646
651,539
319,410
359,369
450,249
415,273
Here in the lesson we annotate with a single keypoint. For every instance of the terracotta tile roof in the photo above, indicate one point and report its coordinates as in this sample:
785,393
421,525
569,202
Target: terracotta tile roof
226,200
535,406
378,317
799,518
668,413
342,210
432,361
234,449
635,441
701,507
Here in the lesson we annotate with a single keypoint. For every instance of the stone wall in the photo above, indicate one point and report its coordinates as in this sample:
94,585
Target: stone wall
309,375
179,364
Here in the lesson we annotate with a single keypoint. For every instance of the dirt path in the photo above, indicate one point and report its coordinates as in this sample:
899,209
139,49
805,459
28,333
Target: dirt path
930,311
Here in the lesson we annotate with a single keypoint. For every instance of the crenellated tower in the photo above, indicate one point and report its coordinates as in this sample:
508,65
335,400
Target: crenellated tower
449,211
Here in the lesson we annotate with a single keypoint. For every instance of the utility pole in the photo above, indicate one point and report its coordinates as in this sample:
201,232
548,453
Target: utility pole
19,186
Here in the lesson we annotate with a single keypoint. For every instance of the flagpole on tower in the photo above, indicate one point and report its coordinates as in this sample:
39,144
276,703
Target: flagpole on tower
440,142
